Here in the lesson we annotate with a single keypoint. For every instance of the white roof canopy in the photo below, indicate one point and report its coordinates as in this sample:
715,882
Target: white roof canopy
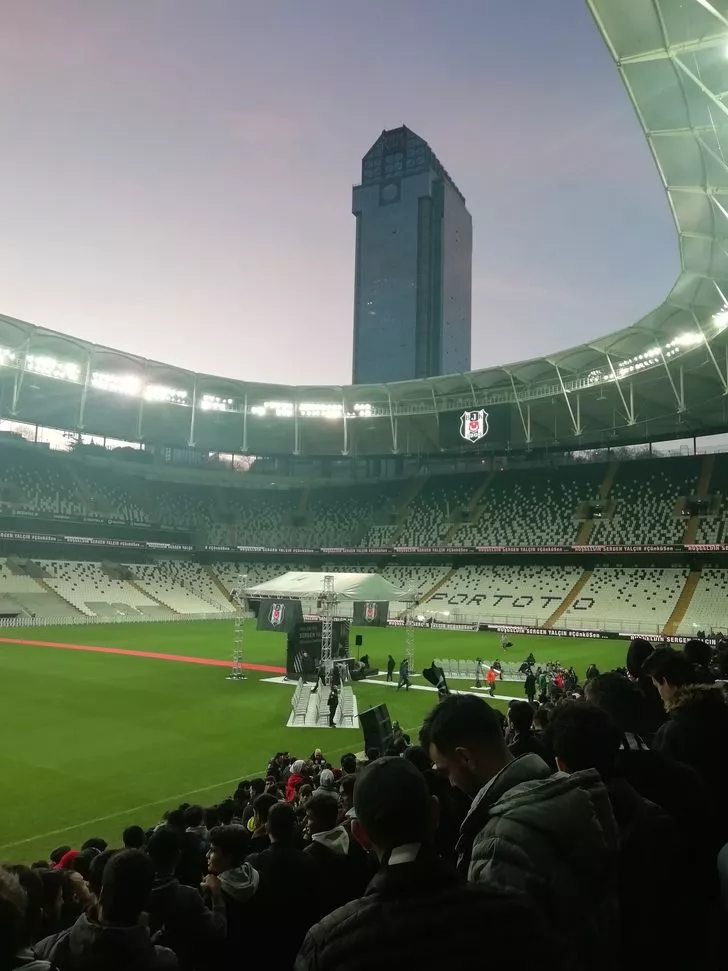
347,586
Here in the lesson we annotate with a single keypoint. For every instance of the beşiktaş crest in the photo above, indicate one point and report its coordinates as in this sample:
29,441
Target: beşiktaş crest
474,425
276,615
370,612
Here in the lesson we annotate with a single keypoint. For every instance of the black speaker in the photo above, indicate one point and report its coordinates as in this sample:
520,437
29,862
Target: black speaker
358,640
376,726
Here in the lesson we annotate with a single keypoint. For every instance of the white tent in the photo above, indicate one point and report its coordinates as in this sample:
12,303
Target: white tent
347,586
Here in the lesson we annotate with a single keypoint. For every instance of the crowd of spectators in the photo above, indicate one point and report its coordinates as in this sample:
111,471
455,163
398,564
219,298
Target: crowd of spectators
580,831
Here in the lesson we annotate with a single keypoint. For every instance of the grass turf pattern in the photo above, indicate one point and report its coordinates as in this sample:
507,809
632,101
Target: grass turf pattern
91,742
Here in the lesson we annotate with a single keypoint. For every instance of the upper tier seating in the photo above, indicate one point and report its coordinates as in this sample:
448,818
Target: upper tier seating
534,508
645,493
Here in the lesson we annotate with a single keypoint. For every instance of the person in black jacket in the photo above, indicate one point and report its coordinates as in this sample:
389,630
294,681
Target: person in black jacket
523,740
289,895
696,731
652,854
178,918
342,865
416,912
390,667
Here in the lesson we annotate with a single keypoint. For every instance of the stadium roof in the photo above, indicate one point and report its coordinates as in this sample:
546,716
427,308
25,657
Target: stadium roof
665,376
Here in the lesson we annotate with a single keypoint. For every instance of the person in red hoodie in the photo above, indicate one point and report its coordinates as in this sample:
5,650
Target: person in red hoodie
296,778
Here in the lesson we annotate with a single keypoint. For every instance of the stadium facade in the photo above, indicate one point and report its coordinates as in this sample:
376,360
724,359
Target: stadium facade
664,377
413,271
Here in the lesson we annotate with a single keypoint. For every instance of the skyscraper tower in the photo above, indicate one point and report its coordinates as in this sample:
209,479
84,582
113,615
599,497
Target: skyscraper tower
413,277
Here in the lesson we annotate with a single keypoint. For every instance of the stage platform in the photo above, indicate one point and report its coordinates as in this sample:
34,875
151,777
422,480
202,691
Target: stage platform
310,709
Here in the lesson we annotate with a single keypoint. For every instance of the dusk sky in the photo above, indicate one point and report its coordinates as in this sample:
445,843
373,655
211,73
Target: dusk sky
177,174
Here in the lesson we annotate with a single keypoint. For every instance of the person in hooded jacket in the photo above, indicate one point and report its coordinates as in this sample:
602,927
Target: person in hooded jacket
696,730
232,883
295,778
551,837
113,938
178,918
343,866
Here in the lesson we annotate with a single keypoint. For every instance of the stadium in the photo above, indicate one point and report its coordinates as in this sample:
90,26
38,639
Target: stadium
543,505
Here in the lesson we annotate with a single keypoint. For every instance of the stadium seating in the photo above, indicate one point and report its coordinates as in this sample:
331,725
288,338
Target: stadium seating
638,599
708,609
645,495
534,508
91,589
508,594
182,586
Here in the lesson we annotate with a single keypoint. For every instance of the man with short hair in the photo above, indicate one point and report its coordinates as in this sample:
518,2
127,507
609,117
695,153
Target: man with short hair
696,730
115,938
522,738
289,884
177,916
133,838
551,837
342,865
404,675
232,883
416,913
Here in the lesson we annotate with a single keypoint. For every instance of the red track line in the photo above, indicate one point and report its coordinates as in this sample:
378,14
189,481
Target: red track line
213,662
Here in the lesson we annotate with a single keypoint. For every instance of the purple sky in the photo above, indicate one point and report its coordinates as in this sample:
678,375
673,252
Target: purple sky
176,174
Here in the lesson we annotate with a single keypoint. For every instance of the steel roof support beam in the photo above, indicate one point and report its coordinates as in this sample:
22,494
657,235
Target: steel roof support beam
191,437
707,5
345,449
699,84
575,418
434,405
84,391
671,51
679,396
526,424
245,425
393,424
19,375
628,409
709,349
296,430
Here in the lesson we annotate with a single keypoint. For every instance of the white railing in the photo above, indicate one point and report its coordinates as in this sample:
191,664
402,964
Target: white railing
82,620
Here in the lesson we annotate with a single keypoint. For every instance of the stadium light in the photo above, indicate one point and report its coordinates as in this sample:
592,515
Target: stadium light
6,356
51,367
720,319
211,402
126,384
280,409
321,410
160,392
688,340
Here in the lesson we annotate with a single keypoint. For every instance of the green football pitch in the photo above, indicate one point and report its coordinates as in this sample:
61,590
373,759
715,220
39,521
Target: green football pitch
91,741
